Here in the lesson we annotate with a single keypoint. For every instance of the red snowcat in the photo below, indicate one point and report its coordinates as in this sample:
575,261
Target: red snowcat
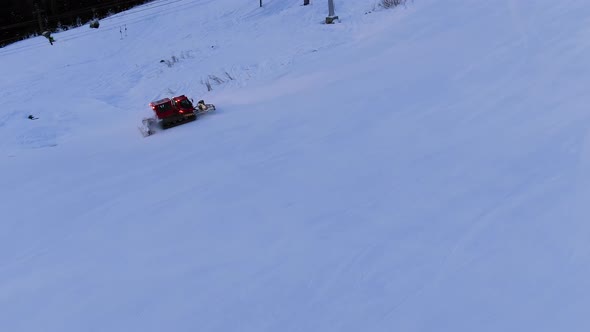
173,112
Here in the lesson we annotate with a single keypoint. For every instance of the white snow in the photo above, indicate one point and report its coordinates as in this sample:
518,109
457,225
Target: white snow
424,168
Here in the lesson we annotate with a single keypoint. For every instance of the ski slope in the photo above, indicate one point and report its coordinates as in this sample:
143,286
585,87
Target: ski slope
423,168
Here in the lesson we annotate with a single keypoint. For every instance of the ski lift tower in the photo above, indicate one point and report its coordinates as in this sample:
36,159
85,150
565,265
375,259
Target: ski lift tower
331,16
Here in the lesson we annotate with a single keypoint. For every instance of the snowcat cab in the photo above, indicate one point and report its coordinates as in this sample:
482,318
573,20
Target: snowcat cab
169,115
183,104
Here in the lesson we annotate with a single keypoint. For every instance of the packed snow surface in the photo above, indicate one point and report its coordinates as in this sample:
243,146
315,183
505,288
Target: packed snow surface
422,168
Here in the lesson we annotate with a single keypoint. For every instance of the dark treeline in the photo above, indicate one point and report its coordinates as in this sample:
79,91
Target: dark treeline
22,18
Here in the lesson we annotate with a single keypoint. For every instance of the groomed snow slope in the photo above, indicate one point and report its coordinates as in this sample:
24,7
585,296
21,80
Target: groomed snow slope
416,169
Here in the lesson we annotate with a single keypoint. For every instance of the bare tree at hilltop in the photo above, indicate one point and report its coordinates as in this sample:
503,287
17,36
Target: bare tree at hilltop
22,18
392,3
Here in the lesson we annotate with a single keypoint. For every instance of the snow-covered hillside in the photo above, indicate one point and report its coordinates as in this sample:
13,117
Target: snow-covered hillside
416,169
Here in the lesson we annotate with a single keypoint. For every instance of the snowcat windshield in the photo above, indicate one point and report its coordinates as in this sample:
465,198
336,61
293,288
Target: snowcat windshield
185,103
